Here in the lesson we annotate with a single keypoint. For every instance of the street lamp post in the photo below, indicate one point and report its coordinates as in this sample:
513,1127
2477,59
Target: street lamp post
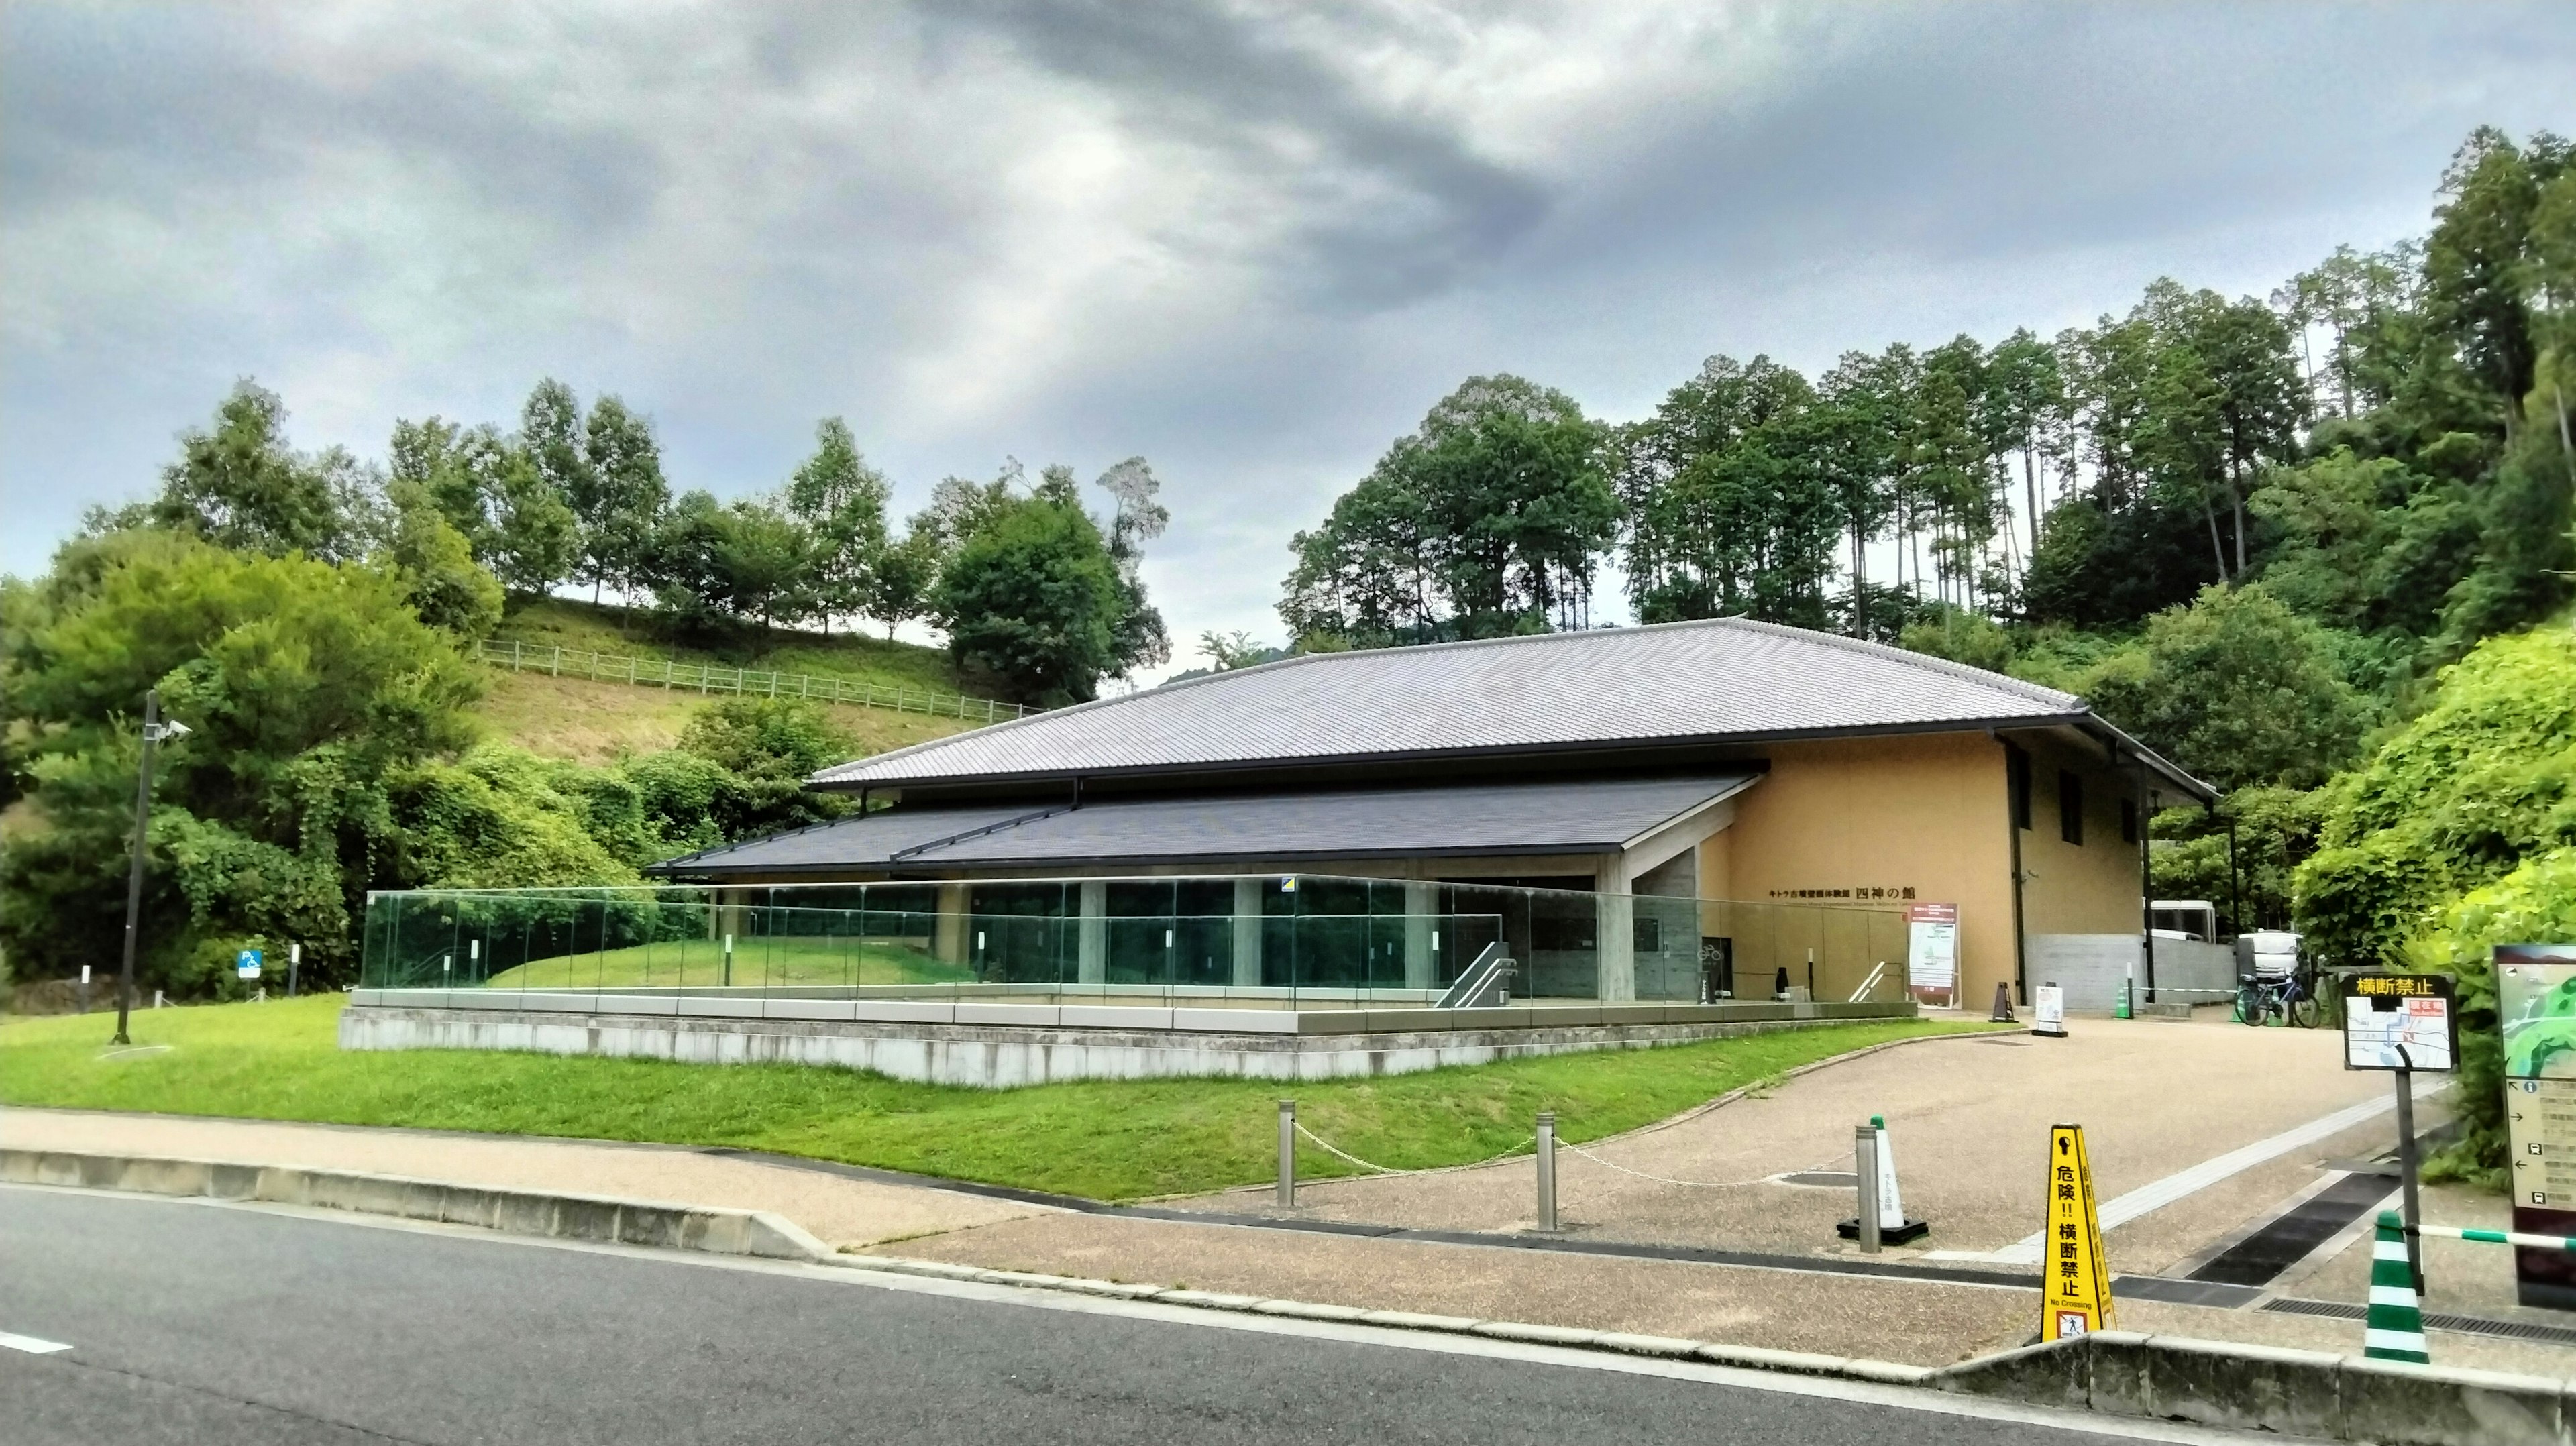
154,730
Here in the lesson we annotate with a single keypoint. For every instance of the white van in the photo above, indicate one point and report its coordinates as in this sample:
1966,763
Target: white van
2195,919
2267,954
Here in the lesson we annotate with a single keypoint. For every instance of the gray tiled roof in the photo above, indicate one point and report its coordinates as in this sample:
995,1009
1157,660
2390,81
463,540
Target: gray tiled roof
1715,680
1575,817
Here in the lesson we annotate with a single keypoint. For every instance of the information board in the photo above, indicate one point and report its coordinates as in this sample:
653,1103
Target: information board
1932,950
2048,1010
2536,1009
2400,1021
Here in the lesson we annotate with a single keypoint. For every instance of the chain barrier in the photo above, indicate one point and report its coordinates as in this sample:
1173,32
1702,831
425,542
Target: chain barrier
1373,1167
1666,1180
1339,1153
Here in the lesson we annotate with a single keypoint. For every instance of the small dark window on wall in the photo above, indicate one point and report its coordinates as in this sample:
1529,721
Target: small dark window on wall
2128,820
2070,807
2017,782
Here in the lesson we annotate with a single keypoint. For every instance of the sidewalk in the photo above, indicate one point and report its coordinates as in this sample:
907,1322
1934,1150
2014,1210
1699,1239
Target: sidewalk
1968,1116
846,1213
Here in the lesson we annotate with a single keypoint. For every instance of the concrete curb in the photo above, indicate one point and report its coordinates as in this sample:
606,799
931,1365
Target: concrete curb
523,1212
2263,1388
1617,1342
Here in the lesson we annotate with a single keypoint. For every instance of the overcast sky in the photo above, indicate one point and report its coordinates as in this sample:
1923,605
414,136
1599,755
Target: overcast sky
1252,243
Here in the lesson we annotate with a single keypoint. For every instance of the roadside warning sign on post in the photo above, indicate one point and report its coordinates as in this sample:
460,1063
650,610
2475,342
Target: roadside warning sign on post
2399,1021
2076,1291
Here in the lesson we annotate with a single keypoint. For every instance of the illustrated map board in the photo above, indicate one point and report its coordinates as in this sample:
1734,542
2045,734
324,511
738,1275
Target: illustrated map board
2536,1006
1932,952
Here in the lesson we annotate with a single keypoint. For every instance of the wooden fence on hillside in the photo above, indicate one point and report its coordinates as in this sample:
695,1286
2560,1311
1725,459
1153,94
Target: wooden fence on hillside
752,682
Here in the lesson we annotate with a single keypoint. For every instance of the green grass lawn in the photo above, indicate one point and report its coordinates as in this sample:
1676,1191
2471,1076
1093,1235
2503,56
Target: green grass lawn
859,657
1108,1140
785,959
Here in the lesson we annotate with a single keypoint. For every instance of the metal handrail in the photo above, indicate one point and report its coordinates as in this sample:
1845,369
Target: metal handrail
557,660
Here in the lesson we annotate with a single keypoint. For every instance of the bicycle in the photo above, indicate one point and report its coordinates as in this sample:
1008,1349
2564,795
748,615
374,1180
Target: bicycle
2292,996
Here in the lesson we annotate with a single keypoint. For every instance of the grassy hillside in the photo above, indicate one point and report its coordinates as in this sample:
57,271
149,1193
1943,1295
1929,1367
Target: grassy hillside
598,722
558,622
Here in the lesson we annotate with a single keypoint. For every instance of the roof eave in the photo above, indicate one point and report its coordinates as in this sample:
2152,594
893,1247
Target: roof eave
820,783
1215,856
2121,743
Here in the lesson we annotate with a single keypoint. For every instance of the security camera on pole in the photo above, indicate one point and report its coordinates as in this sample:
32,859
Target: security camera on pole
154,730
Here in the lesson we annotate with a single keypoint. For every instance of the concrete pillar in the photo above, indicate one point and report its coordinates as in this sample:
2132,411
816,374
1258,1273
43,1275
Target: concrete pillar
1615,941
1091,963
1247,933
950,942
1420,964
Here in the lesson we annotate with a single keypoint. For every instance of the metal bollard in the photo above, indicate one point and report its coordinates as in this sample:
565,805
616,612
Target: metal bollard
1865,1166
1288,1153
1547,1172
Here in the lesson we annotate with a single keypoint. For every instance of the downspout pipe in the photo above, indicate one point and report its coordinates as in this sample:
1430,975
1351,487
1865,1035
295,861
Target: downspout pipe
2012,827
2147,878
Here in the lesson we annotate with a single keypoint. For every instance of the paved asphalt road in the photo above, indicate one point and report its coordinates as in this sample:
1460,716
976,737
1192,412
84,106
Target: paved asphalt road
218,1325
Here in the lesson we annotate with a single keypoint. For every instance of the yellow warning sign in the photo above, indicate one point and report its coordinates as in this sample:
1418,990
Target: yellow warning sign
2077,1287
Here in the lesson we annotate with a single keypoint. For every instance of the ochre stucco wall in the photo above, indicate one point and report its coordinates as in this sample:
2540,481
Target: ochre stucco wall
2090,888
1927,813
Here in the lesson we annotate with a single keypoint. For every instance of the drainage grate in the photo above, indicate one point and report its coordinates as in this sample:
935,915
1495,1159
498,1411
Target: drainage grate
2476,1325
2296,1233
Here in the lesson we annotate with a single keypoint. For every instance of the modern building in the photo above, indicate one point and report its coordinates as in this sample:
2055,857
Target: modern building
1711,767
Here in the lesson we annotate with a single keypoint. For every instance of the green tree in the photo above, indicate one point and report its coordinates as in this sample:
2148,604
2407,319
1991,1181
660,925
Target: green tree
2238,689
240,485
1729,511
553,460
536,537
1136,518
305,684
902,582
1503,497
841,500
1034,597
1856,443
489,489
436,565
2481,779
625,495
2477,262
767,748
750,560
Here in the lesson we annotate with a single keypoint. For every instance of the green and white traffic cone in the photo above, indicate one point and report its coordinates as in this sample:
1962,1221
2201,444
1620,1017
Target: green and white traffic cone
2394,1329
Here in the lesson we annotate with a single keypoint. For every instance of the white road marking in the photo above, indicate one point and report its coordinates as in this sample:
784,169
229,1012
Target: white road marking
2183,1183
31,1345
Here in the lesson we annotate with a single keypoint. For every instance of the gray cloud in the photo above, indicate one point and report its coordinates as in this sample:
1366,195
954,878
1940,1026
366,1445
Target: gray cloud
1251,243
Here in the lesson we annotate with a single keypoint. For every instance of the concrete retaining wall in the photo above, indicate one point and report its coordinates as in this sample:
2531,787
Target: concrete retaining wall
1006,1055
563,1217
2293,1393
2091,967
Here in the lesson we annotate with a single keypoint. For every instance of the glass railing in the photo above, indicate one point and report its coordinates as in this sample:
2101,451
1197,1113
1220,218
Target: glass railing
1307,941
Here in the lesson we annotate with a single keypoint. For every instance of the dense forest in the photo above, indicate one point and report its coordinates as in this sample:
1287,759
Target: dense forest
2263,533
